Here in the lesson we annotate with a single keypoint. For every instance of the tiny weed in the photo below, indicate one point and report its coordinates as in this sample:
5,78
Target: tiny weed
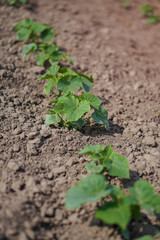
126,5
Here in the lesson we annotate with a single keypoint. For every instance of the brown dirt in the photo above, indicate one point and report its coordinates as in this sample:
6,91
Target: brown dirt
38,164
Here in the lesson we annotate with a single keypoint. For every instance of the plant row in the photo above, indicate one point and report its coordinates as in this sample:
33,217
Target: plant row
71,109
114,206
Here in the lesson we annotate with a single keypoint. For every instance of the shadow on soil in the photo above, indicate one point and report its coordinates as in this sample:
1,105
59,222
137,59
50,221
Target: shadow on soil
137,228
98,130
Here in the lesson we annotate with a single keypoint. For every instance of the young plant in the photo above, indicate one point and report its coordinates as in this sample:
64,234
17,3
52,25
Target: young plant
147,10
153,20
33,31
16,2
38,35
65,80
69,108
105,159
119,208
126,5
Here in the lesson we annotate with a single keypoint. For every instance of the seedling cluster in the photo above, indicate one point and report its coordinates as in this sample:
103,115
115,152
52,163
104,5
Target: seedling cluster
148,11
71,109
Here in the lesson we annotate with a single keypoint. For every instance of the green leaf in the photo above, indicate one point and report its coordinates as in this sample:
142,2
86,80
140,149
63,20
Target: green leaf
113,213
52,71
87,84
93,168
24,34
106,152
52,118
67,85
49,48
59,108
50,84
23,1
48,34
89,189
117,165
31,47
89,149
101,116
144,194
67,71
41,58
55,57
91,99
147,237
153,20
25,23
74,109
11,2
38,27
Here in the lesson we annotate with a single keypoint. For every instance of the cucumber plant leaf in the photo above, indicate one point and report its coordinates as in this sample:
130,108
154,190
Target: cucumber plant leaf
67,85
31,47
74,109
47,35
88,189
52,118
113,213
50,84
89,149
117,165
93,168
41,58
38,27
101,116
91,99
143,192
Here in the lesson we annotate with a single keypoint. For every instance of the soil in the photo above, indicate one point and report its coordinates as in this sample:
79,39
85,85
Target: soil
38,164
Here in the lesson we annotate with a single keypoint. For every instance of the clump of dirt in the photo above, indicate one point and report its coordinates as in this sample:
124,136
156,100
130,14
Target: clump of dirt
38,164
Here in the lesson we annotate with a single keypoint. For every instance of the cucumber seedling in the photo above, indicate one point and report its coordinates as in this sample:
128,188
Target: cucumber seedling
115,207
105,159
38,35
69,108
